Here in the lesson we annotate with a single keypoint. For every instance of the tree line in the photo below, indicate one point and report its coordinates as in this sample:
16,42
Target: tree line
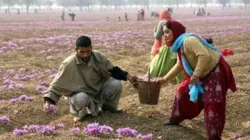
86,4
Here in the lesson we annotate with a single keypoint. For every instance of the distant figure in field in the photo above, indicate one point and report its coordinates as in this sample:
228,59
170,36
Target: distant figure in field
154,14
142,14
63,16
7,11
35,11
107,18
126,16
72,16
138,16
18,11
200,12
119,18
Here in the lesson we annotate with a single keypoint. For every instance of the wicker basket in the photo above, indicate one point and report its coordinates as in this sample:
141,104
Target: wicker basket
149,92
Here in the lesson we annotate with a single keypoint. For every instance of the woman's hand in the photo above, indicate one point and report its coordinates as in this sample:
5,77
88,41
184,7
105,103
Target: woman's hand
194,79
162,80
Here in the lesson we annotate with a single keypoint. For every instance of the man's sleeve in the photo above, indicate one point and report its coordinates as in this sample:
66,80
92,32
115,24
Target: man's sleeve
115,71
118,73
52,96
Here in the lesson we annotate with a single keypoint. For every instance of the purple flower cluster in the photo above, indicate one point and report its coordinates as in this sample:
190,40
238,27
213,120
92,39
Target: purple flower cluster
95,129
144,137
20,132
92,129
42,87
21,98
52,109
106,129
74,130
32,128
42,129
127,132
4,120
48,130
10,84
60,126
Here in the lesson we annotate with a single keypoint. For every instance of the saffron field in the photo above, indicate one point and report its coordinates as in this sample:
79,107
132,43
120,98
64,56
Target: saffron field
33,46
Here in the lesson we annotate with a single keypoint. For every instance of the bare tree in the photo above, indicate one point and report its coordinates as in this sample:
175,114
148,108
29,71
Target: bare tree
223,3
246,2
103,2
9,3
28,3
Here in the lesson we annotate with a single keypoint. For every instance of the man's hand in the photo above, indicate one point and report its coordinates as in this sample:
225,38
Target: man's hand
46,106
133,80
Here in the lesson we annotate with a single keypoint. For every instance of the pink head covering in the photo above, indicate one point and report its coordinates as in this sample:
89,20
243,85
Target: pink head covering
164,14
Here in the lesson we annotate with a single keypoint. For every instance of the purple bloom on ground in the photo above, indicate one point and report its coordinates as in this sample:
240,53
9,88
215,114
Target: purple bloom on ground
52,109
52,76
19,132
11,87
11,71
12,101
144,137
41,89
21,69
48,130
21,98
20,86
60,125
106,129
74,130
25,98
32,128
43,83
127,132
4,120
92,129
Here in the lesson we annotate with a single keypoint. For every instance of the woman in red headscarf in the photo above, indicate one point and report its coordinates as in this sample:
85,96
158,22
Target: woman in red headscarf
163,59
203,66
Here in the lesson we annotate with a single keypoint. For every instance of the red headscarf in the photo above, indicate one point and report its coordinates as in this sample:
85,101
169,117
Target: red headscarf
177,29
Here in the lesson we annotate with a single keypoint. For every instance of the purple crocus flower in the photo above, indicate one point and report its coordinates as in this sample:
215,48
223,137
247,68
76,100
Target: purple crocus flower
60,125
52,109
44,83
127,132
20,86
92,129
106,129
21,70
74,130
32,128
144,137
4,120
48,130
19,132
